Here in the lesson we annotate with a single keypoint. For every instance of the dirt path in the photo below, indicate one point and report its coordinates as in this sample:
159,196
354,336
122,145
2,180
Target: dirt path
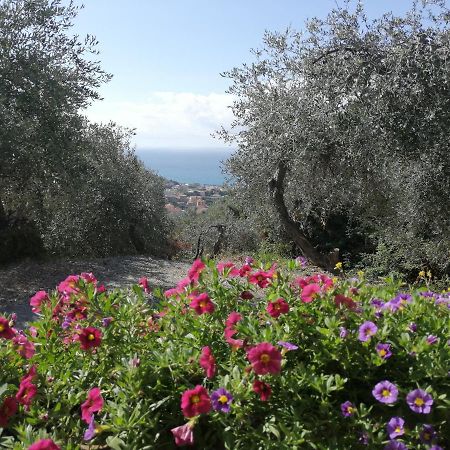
18,282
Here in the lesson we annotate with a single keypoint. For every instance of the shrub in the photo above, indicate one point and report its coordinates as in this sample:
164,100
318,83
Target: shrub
233,357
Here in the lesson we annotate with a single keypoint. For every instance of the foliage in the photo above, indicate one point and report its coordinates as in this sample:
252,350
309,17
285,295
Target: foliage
358,113
58,172
303,337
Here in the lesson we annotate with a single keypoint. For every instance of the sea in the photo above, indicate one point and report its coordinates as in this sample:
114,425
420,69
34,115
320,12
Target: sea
203,166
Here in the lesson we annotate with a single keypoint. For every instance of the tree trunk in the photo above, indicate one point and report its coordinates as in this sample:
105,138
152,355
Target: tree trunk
276,187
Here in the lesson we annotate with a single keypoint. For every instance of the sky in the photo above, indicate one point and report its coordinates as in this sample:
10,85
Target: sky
166,57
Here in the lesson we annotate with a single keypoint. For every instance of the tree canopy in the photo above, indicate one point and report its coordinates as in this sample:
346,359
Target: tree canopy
58,171
343,135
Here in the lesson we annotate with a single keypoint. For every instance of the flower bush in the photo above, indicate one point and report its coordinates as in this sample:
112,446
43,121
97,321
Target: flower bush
234,357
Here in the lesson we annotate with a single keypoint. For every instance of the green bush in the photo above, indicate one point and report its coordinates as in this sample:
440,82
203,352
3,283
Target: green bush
290,351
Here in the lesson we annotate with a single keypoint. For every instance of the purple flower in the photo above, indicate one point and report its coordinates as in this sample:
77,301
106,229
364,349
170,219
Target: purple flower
66,323
363,438
395,445
436,447
395,427
343,332
431,339
287,345
248,260
366,331
384,350
377,303
403,298
445,301
106,321
412,327
385,392
427,434
428,294
90,432
419,401
221,400
301,261
348,409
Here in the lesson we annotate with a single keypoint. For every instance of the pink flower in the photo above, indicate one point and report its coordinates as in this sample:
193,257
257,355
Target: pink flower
7,410
69,285
25,348
93,404
263,389
245,270
278,307
179,289
183,435
309,292
261,278
208,362
90,337
246,295
143,282
89,277
265,358
196,269
202,304
44,444
37,300
27,391
6,331
340,299
232,320
195,401
229,268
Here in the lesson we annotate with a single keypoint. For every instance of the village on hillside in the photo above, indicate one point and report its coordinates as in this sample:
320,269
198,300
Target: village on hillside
196,197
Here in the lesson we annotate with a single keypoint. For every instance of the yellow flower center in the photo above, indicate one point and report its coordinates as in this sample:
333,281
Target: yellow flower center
202,304
426,436
350,409
2,328
277,306
223,399
398,430
386,393
419,401
265,358
382,352
195,399
91,337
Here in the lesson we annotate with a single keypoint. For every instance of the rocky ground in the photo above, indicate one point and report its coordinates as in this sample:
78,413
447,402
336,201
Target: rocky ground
18,282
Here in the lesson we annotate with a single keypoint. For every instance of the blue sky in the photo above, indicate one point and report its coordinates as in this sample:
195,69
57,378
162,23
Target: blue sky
167,55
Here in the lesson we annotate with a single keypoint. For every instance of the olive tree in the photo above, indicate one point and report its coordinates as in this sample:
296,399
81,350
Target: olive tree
348,120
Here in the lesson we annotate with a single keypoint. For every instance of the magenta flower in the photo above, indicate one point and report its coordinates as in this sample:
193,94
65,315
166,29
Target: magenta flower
183,435
366,331
384,350
419,401
395,427
143,282
93,404
221,400
348,409
44,444
385,392
265,358
395,445
432,339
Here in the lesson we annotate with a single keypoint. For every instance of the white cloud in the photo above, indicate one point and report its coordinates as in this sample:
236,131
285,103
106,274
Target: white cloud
169,119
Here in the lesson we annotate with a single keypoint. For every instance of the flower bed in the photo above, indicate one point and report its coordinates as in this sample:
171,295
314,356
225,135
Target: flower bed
233,357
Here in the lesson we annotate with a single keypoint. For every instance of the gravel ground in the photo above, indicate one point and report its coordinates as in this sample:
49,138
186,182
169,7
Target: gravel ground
18,282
